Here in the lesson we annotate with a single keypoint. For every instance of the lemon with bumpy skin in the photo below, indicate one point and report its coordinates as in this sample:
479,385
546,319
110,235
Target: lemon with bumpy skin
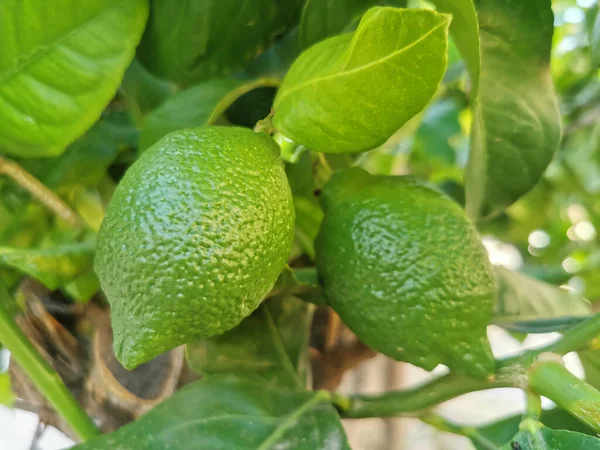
195,236
405,270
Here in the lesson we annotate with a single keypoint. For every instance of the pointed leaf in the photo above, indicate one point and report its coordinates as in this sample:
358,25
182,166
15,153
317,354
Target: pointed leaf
61,63
528,305
516,124
383,74
272,343
224,413
197,106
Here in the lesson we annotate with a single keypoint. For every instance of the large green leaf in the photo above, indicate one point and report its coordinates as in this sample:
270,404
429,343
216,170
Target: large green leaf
193,40
351,92
548,439
465,32
197,106
528,305
226,413
54,266
61,63
272,343
516,124
324,18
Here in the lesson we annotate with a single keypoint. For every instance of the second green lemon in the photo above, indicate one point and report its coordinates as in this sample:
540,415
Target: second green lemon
195,236
406,271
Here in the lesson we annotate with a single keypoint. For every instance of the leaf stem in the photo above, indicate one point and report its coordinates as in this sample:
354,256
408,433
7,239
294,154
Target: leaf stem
417,400
552,379
43,376
39,191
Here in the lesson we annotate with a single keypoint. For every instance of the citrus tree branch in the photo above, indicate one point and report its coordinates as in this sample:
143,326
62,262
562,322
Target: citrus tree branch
510,372
40,192
43,376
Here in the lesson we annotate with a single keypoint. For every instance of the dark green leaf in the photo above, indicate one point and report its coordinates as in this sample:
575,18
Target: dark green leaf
53,266
251,107
226,413
548,439
197,106
351,92
86,160
272,343
595,42
143,89
61,63
193,40
516,125
324,18
528,305
494,435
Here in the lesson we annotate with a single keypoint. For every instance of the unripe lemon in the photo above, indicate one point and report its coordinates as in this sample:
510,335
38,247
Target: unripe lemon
405,270
195,236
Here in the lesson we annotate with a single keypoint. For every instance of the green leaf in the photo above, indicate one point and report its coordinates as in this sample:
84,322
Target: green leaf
83,287
54,266
223,413
492,436
351,92
528,305
465,32
7,396
516,124
548,439
197,106
272,344
194,40
143,89
595,42
60,65
324,18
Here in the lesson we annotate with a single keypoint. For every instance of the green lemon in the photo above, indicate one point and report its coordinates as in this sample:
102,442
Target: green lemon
405,270
195,236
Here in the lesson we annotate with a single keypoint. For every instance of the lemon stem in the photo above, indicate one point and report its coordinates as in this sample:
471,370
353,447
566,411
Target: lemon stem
43,376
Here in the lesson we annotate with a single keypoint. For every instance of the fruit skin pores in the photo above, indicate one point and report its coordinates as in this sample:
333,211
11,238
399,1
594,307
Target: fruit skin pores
405,270
195,236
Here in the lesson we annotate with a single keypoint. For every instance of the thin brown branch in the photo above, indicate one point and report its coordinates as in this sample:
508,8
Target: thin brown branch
39,191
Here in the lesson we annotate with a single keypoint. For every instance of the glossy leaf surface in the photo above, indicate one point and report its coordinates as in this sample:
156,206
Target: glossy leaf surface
224,413
516,124
351,92
197,106
528,305
272,343
190,41
61,63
